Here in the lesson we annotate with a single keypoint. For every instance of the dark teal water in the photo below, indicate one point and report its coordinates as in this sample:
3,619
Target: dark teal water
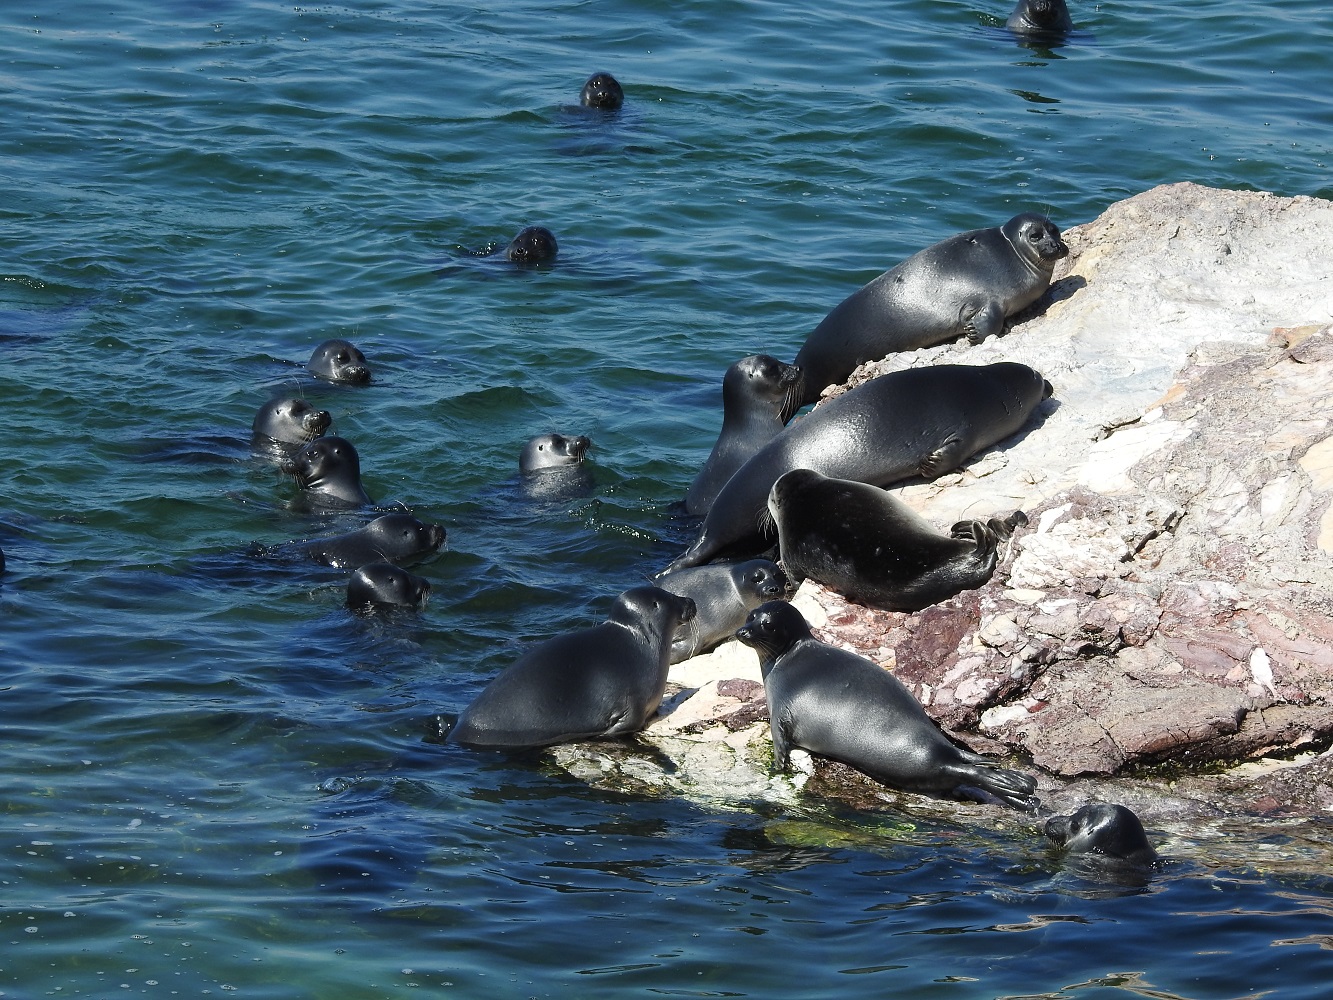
215,779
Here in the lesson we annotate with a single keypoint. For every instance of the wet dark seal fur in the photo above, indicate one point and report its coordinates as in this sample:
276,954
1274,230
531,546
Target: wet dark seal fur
603,92
1103,828
1040,18
533,245
837,704
916,422
339,361
552,451
283,425
724,594
396,538
872,548
328,470
603,681
384,585
758,398
964,285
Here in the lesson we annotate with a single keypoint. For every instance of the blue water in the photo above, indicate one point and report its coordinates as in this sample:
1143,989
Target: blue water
216,779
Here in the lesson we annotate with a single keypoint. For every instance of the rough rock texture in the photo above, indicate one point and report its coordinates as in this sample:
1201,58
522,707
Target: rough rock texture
1170,600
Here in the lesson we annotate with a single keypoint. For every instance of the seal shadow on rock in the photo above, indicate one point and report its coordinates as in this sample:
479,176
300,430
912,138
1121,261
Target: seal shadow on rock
724,594
968,284
918,421
603,681
838,704
759,396
872,548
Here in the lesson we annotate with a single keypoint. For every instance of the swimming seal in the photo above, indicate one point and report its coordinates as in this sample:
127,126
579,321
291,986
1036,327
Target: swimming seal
1040,18
1103,828
919,421
283,424
967,284
602,91
758,398
873,549
328,470
724,594
339,361
606,680
533,245
552,451
382,584
838,704
396,538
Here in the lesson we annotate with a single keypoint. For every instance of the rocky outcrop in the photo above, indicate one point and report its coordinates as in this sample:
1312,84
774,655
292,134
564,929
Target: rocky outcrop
1171,600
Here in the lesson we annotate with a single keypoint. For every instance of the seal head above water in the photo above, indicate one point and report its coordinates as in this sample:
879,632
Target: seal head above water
603,92
603,681
382,584
552,451
840,705
282,425
1049,18
1103,828
967,284
339,361
328,470
533,245
397,538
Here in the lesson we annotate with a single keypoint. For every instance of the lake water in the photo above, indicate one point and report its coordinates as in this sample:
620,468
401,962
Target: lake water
217,780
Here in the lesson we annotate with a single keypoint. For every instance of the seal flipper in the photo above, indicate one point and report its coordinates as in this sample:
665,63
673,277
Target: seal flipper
943,459
986,322
779,729
1015,788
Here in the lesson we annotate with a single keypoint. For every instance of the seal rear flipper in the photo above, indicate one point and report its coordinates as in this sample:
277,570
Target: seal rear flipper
1012,787
777,727
943,459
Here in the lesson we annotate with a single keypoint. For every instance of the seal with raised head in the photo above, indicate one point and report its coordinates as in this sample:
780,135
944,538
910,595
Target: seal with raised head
919,421
603,92
339,361
872,548
1103,828
758,398
382,585
724,594
607,680
1039,18
838,704
533,245
283,425
967,284
552,451
397,538
328,470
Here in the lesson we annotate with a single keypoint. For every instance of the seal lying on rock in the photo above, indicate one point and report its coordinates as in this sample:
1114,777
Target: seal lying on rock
1040,18
919,421
282,425
838,704
328,470
724,594
382,584
967,284
758,398
873,549
606,680
1103,828
339,361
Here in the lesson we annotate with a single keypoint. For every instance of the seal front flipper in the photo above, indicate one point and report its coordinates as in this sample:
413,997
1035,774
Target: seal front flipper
779,727
988,321
945,458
